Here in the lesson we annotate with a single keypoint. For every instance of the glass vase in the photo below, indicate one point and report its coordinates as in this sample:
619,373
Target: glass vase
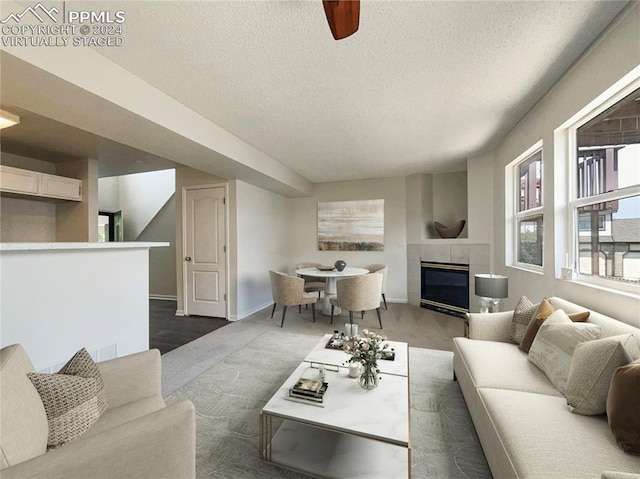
369,377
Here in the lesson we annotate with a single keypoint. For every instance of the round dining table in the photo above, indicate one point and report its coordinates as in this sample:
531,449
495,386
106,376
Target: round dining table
330,284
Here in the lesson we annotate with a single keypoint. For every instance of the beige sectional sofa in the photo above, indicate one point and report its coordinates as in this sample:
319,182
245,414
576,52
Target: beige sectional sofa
136,437
523,423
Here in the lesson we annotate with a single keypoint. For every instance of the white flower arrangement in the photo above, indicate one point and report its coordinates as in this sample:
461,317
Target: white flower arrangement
365,349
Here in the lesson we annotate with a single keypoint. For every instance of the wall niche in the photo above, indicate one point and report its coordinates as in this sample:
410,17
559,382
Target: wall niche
444,199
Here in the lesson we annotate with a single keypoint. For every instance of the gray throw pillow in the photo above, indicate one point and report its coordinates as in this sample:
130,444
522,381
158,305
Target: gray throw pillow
592,368
73,399
553,347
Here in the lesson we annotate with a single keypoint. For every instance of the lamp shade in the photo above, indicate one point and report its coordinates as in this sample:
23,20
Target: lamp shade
491,286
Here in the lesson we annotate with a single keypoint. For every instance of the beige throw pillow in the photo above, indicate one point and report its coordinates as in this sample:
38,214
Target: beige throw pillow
592,367
553,347
73,399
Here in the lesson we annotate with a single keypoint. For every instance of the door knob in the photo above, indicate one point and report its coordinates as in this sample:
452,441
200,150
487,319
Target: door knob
188,258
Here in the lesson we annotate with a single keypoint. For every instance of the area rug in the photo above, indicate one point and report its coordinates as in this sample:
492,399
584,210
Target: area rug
230,394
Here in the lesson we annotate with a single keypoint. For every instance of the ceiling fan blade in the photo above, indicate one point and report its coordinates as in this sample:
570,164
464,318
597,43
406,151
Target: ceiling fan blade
343,17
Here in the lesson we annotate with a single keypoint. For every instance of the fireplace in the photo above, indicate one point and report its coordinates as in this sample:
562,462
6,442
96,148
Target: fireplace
445,287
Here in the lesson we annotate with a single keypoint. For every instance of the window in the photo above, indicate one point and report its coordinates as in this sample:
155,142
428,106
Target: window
528,226
606,200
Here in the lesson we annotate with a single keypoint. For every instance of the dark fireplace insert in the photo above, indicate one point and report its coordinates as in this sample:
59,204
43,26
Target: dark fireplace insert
445,287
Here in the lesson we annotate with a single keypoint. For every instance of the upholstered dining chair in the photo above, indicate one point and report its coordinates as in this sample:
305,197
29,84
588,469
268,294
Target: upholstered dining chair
289,291
382,269
358,293
312,284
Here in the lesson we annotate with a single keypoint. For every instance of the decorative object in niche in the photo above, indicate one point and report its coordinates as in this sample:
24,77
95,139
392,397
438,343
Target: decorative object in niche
351,226
452,231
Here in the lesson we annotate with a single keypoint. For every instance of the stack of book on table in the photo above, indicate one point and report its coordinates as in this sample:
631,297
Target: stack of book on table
311,390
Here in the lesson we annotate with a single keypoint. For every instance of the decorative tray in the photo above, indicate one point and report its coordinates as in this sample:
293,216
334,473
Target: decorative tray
335,344
389,355
325,268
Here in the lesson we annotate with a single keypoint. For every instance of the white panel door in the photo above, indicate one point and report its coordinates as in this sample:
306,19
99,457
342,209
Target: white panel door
204,252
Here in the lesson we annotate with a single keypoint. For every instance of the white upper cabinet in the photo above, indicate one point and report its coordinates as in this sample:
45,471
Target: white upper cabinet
32,183
14,180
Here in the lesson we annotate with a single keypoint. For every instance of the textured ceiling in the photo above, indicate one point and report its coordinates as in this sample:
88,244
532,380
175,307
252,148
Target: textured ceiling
419,88
421,85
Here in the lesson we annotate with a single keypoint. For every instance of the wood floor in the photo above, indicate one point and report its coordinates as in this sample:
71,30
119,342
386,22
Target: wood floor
168,331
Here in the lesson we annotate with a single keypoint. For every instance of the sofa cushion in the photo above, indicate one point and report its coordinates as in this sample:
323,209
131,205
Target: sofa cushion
592,367
73,399
22,415
622,407
544,440
553,346
502,365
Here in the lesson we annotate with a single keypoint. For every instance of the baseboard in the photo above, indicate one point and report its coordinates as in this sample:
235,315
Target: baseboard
393,300
163,297
179,312
249,313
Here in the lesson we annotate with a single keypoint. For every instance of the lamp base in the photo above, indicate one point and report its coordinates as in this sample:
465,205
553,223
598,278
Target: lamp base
490,305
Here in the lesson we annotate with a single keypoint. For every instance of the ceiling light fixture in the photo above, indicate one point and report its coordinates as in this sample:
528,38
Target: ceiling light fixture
8,119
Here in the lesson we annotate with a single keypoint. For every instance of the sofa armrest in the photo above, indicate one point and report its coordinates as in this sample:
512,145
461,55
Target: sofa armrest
490,326
159,445
131,377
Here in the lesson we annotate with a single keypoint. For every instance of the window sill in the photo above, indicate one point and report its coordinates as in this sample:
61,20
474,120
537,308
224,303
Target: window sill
525,269
630,291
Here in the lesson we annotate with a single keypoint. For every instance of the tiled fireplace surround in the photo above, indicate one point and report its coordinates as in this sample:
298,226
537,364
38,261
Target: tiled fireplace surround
477,256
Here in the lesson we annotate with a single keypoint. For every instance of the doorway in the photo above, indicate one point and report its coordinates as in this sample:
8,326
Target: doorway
204,251
110,226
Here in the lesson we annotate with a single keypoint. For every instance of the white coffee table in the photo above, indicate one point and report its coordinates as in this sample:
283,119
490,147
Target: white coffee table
356,434
330,283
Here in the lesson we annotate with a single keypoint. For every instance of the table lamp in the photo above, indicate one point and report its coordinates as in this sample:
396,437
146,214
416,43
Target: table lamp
491,288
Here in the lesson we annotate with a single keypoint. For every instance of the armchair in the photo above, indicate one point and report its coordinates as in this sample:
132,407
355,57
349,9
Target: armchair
358,293
138,436
289,291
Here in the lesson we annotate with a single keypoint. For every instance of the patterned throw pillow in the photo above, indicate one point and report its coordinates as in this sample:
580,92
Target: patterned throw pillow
522,314
73,399
592,367
553,347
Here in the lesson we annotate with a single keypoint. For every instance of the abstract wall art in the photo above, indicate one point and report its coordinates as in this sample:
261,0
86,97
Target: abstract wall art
351,225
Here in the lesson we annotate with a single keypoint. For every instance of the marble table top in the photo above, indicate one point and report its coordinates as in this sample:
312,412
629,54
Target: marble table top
381,413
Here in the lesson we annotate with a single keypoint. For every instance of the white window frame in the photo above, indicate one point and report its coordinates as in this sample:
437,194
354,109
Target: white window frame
609,98
513,216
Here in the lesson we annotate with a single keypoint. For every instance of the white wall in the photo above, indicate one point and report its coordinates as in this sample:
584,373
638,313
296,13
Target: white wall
615,54
302,229
162,261
56,302
141,197
263,242
109,194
